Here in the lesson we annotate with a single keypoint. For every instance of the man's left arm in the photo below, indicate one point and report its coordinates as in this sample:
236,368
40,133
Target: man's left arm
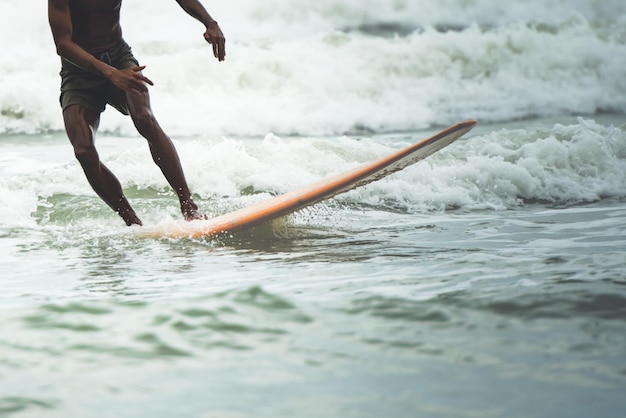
213,33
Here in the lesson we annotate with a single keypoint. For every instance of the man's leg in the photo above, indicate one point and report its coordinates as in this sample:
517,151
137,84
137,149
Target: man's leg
163,151
80,125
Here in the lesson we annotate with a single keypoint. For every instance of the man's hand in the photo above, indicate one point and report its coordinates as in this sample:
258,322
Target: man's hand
215,37
131,79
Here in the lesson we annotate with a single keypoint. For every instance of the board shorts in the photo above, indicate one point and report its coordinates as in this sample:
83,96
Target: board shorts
80,87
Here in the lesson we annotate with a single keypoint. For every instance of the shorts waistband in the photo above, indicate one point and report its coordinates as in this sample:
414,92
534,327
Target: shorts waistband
108,56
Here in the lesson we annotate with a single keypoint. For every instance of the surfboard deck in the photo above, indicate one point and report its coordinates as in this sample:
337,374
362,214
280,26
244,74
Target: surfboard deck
295,200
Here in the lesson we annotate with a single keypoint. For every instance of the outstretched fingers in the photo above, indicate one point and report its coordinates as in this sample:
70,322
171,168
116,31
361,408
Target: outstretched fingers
139,75
215,37
132,79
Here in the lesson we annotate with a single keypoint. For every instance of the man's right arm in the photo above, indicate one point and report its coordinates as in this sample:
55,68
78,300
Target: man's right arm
60,21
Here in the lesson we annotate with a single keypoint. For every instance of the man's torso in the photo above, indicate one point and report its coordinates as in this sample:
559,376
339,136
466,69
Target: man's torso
96,23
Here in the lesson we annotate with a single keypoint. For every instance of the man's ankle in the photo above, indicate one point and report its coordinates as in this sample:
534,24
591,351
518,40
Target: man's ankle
130,217
190,210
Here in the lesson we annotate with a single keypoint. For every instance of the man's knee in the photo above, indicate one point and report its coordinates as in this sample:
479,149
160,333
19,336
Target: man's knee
145,122
80,124
86,154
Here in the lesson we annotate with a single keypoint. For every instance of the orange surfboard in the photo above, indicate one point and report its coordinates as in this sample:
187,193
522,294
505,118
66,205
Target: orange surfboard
293,201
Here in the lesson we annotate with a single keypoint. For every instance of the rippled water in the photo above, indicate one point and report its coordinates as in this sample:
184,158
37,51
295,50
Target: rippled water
513,313
485,281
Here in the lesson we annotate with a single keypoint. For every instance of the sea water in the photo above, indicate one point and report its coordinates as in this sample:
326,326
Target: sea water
488,280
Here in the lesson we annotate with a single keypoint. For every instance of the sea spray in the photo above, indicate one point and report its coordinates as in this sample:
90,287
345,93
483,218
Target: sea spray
339,67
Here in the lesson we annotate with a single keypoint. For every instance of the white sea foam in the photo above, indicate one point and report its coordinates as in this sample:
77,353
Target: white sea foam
329,67
561,164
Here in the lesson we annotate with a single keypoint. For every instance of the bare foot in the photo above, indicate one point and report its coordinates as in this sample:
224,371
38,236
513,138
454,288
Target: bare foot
190,211
130,217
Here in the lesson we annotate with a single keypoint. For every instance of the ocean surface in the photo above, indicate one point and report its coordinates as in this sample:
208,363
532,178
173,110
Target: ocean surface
486,281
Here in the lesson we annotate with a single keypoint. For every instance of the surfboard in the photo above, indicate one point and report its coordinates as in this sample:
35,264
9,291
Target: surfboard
290,202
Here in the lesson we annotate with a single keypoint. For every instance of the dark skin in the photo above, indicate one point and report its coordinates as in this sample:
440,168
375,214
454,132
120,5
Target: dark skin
82,28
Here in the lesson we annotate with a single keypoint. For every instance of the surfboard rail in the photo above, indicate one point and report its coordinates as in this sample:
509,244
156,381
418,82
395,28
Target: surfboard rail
295,200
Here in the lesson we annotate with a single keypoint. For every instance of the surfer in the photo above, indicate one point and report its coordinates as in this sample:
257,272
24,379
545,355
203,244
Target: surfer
98,67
